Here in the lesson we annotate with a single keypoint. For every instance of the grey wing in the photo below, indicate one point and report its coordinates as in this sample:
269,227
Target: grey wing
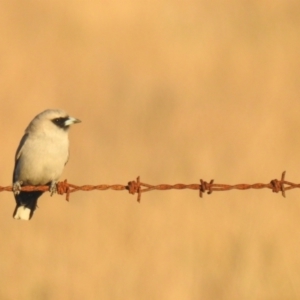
18,154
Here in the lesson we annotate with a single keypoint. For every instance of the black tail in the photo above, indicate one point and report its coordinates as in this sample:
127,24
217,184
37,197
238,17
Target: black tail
26,204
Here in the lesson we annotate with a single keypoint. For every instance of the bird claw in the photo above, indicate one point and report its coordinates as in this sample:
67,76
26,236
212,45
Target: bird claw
17,187
53,188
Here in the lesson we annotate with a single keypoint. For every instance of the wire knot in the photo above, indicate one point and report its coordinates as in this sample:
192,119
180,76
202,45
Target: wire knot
135,187
205,186
278,185
63,188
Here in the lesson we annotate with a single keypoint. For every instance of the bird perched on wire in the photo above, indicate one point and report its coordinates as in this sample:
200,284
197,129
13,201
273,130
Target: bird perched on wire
40,158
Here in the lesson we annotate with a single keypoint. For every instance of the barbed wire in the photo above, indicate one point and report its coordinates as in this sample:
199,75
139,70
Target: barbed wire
138,187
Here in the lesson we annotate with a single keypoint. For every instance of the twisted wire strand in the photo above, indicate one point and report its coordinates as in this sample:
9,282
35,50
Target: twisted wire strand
138,187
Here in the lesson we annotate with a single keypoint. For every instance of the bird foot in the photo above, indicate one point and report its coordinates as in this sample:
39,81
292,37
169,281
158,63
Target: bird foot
17,187
53,188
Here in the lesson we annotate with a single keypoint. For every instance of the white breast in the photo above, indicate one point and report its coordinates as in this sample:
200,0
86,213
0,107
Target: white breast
43,159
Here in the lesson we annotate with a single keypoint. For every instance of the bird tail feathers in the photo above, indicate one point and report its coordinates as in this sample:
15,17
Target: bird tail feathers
22,213
26,205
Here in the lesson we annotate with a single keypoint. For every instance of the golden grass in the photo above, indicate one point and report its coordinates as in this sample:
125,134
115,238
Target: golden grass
173,92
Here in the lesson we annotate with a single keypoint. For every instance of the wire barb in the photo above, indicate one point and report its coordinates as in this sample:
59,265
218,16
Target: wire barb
204,186
133,187
63,188
278,185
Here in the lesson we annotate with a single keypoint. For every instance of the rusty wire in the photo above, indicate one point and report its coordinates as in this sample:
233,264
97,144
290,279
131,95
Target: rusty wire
63,187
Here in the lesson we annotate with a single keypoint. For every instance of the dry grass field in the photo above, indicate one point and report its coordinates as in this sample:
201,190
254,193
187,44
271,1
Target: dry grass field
173,91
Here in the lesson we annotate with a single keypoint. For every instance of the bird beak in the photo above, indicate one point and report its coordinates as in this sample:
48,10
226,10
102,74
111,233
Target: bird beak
71,121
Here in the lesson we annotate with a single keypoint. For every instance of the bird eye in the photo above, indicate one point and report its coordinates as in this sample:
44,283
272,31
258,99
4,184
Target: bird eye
58,122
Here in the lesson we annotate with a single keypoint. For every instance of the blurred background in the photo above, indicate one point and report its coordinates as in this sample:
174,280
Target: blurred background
172,91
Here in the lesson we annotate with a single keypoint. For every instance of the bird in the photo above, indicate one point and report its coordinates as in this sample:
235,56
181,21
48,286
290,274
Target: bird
40,158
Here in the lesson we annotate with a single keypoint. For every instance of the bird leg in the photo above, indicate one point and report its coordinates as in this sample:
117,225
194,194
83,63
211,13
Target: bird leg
17,187
53,188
